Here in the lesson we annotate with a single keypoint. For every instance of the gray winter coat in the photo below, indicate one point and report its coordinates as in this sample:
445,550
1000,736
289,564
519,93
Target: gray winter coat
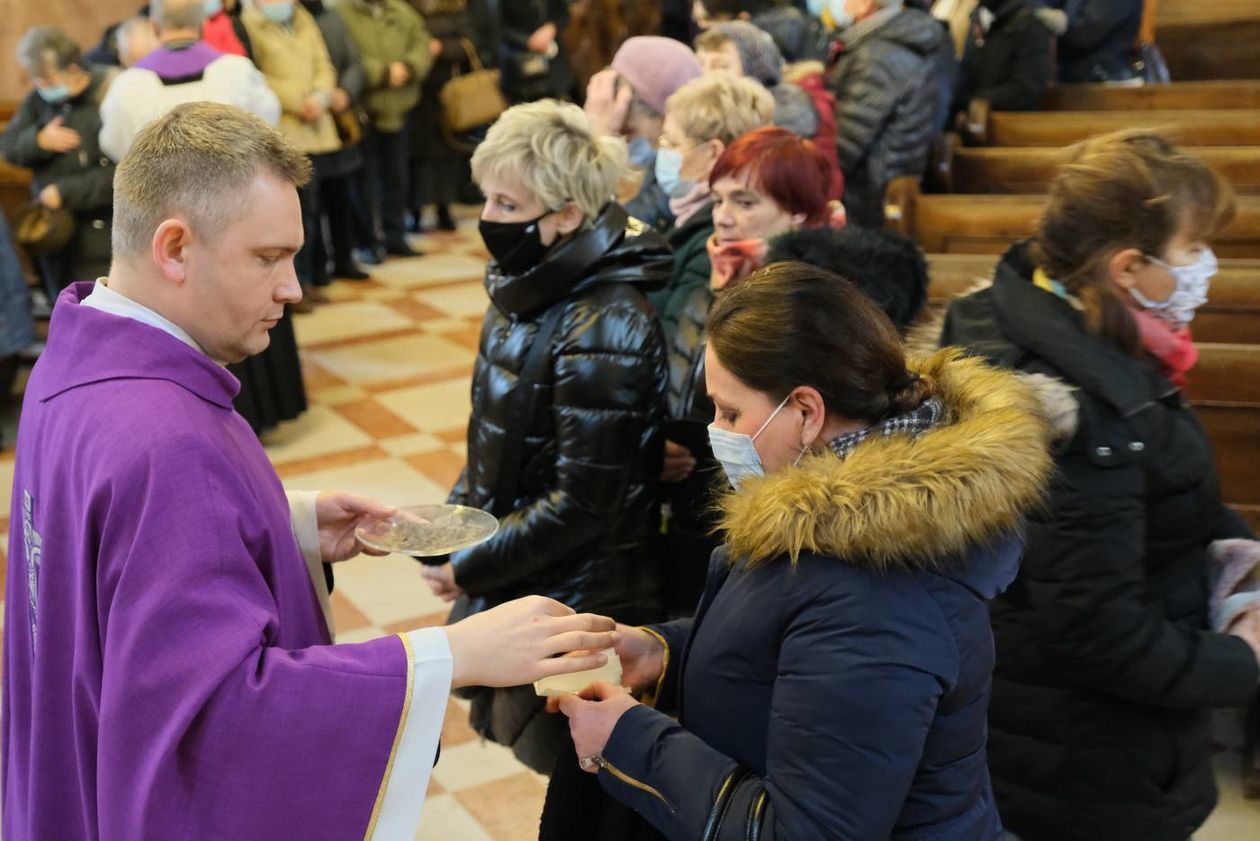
887,81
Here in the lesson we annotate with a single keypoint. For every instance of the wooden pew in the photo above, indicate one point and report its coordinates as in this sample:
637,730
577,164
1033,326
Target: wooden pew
1224,389
1239,127
1210,39
1231,315
970,224
991,169
1215,95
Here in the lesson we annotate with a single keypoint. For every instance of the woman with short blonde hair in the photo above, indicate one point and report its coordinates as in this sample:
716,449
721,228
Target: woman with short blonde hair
564,442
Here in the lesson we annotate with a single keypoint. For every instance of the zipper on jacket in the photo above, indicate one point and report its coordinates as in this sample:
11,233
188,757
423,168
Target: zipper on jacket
631,781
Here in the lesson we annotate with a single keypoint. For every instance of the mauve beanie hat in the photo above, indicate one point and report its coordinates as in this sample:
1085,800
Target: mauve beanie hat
656,67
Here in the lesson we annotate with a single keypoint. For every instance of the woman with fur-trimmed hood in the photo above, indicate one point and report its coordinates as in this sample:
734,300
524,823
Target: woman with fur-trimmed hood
834,682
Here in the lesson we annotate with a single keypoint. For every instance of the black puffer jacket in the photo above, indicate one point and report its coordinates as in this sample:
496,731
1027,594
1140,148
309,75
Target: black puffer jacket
585,513
889,82
592,458
1012,63
1105,667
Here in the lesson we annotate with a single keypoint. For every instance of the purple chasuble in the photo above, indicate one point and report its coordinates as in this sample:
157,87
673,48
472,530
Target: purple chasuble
168,672
181,63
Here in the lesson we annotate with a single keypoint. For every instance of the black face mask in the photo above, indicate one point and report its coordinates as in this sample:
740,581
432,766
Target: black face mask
516,246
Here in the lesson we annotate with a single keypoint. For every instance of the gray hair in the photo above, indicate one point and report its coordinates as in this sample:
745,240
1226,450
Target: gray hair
47,48
196,162
129,29
177,14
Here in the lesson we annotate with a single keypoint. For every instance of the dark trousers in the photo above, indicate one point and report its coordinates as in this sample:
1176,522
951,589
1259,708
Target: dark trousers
337,206
386,155
311,262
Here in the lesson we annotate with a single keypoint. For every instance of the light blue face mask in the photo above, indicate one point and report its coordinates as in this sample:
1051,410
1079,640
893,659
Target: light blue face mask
54,94
669,173
212,8
641,151
737,452
277,12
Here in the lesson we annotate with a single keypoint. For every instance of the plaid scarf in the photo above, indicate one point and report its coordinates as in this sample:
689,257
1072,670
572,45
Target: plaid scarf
913,423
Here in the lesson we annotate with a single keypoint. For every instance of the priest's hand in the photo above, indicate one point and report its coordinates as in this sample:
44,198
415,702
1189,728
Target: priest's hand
516,643
592,716
338,514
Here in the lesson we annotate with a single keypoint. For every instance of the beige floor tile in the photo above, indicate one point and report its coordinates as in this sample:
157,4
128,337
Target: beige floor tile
1234,818
359,635
335,394
446,324
319,431
428,271
439,406
391,481
358,318
387,590
444,819
474,764
410,445
508,809
462,301
393,359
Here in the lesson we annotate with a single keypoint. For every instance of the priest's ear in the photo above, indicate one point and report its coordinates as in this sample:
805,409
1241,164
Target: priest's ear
170,250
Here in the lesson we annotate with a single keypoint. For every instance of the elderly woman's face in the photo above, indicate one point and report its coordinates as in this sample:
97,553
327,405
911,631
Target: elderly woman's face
508,201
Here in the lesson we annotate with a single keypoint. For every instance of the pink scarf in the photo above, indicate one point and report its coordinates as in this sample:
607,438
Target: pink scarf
1172,346
736,260
690,203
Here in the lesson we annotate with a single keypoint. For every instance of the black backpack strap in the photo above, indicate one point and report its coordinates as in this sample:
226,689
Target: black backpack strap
521,405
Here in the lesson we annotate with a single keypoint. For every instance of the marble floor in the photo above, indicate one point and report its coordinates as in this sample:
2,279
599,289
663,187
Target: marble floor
387,369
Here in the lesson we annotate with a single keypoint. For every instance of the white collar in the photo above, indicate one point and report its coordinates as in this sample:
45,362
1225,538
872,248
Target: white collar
107,300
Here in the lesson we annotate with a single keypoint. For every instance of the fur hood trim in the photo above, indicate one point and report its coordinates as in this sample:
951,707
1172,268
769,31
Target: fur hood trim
898,502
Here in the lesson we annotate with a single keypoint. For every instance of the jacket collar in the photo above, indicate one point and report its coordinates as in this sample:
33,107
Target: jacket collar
86,345
902,502
565,265
1049,327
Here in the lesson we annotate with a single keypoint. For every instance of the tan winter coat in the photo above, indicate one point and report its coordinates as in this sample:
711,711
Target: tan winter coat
295,62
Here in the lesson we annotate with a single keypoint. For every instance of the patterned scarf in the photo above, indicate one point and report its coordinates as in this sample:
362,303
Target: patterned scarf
913,423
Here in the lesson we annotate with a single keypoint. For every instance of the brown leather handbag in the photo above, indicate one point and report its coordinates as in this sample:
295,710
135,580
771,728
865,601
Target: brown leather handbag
472,99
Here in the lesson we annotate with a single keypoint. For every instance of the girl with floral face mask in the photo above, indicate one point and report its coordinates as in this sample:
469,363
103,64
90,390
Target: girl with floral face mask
1106,630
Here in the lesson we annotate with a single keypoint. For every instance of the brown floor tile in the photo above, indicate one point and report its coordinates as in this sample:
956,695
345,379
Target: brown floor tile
346,616
429,620
469,337
452,436
439,376
455,727
435,789
365,339
317,377
374,419
444,284
442,466
346,457
4,525
413,309
507,809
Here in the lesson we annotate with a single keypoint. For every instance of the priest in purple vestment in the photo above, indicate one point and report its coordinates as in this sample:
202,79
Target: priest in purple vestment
169,666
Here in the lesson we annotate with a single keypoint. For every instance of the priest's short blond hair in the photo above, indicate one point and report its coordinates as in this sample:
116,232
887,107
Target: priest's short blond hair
551,149
196,162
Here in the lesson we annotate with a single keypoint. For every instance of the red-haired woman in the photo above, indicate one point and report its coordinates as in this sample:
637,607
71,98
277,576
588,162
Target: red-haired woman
766,183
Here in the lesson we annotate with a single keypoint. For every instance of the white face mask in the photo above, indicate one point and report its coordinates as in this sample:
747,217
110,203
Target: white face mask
1191,292
737,452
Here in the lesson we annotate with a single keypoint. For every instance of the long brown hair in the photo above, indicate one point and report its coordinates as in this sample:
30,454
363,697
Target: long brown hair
792,324
1129,189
